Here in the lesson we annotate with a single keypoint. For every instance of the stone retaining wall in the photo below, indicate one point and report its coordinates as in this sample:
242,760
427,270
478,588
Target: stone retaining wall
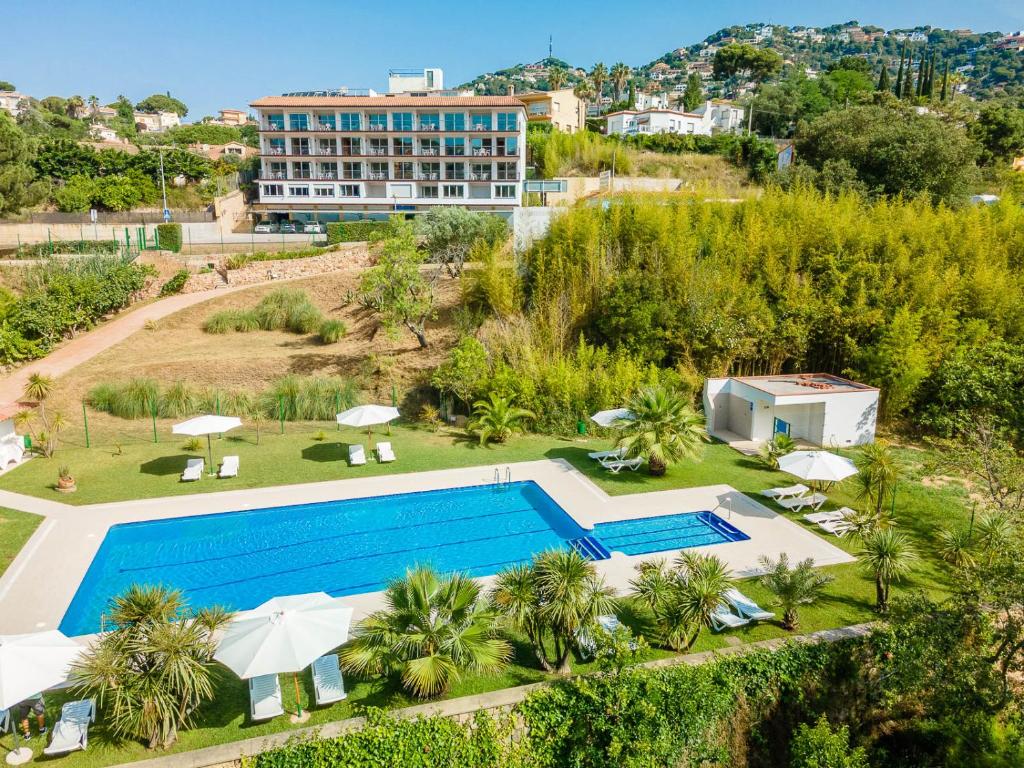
346,256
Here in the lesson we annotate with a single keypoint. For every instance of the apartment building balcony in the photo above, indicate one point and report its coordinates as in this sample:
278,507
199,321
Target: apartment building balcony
430,153
481,177
482,153
377,176
428,128
325,177
429,177
377,128
277,176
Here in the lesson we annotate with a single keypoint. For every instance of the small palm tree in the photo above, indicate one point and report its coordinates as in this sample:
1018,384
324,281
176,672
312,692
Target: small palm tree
792,587
153,669
584,91
550,601
433,629
557,77
889,556
664,429
992,532
38,388
776,448
956,547
497,419
879,469
620,76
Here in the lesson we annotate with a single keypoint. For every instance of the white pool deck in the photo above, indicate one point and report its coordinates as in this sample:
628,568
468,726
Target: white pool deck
37,589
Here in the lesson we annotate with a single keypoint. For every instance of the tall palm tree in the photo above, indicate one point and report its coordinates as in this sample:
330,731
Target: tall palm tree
433,629
665,429
682,597
619,76
74,106
889,556
497,419
880,469
94,105
599,76
793,587
584,91
153,668
557,77
550,601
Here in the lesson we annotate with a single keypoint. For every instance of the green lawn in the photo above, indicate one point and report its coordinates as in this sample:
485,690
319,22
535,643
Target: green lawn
148,470
15,529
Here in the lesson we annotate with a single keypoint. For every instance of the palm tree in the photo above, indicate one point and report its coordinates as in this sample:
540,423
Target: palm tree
557,77
792,587
433,629
599,76
74,106
584,91
956,547
775,449
619,76
94,105
879,471
497,419
38,388
888,555
550,601
153,669
682,597
665,429
992,532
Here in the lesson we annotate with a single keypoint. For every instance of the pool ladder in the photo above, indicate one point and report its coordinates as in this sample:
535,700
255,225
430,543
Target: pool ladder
497,476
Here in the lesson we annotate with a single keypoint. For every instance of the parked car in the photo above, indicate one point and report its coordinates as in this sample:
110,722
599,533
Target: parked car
288,228
265,228
314,228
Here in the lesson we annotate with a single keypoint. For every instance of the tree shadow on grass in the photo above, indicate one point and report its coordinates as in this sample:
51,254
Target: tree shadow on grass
580,460
326,452
165,466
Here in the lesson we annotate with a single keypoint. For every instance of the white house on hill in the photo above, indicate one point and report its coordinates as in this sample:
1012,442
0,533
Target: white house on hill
817,408
711,117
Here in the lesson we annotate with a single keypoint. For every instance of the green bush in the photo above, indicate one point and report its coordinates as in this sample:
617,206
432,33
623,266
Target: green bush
133,399
352,231
170,236
39,250
331,331
228,320
175,284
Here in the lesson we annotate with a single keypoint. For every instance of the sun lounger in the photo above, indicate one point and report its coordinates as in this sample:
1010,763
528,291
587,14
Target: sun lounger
229,467
614,454
327,682
832,515
722,618
800,502
71,732
838,528
356,455
585,639
193,470
384,453
265,697
786,492
617,465
746,607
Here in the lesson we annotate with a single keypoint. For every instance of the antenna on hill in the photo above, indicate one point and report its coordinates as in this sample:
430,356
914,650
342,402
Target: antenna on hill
550,47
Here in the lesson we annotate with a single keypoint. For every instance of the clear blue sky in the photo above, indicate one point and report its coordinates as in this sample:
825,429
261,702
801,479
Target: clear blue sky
215,54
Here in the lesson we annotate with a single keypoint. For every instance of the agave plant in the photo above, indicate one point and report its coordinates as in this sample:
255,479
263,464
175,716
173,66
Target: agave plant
664,430
497,419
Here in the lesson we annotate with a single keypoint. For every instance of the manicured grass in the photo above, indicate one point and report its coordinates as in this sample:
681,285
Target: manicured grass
148,470
15,529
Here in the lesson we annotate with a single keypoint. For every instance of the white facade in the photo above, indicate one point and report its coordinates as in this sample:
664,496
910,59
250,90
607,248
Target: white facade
331,156
156,122
646,101
11,101
415,80
711,117
820,409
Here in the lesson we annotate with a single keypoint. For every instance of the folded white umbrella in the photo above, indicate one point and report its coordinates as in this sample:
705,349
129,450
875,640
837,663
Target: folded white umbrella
367,416
817,465
613,418
207,425
284,634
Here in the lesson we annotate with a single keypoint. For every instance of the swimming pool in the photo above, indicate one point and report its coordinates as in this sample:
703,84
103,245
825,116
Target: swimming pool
240,559
657,534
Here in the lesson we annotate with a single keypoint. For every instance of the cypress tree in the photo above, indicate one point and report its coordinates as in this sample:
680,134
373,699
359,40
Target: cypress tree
632,96
899,73
883,79
922,68
908,80
945,80
931,76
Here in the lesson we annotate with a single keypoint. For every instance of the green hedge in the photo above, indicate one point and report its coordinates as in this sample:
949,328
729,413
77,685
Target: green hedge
175,284
38,250
352,231
170,236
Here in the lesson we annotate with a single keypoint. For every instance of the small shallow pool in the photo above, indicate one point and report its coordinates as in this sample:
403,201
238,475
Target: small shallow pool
656,534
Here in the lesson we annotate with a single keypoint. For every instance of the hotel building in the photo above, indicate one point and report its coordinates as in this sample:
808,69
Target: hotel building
336,156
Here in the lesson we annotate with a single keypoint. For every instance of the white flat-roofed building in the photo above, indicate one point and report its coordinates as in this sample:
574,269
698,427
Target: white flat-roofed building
817,408
12,102
415,80
331,157
711,117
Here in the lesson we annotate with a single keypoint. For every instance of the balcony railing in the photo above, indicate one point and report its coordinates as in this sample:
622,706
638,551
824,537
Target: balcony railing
323,127
430,176
481,153
377,176
301,175
377,152
404,176
480,177
378,127
301,151
275,151
430,151
277,175
425,127
350,176
326,177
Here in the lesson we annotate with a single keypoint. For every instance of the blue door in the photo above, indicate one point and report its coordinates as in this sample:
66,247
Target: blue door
781,427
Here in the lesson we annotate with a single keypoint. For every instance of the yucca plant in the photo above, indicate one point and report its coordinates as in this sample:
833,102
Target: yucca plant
957,546
775,449
495,418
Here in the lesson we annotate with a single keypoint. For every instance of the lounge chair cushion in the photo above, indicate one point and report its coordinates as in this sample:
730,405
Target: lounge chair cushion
790,490
814,501
746,607
193,470
229,467
71,732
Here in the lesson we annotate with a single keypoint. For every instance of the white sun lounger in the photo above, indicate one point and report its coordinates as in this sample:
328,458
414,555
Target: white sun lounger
585,639
722,618
615,453
838,528
384,453
617,465
833,515
265,697
356,455
229,467
71,732
800,502
193,470
746,607
327,683
786,492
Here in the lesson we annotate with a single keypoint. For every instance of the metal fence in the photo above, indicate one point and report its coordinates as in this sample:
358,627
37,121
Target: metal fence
107,218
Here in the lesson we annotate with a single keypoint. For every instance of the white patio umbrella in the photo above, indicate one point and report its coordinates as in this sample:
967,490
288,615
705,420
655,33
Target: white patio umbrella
284,634
613,418
207,425
29,664
367,416
817,465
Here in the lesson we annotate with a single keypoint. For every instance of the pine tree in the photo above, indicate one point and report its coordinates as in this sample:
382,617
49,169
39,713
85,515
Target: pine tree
945,80
899,74
883,80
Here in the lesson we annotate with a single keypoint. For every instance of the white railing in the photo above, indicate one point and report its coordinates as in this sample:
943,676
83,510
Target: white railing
430,152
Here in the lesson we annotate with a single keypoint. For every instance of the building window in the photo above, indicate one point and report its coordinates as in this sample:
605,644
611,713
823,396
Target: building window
455,170
323,191
300,171
403,145
430,122
276,122
328,171
430,171
378,147
455,146
276,147
352,170
480,122
279,170
454,121
273,190
300,146
480,171
325,122
505,191
401,121
403,171
454,190
298,191
508,146
379,121
349,121
480,147
327,147
378,171
351,146
509,121
348,190
506,171
429,191
298,122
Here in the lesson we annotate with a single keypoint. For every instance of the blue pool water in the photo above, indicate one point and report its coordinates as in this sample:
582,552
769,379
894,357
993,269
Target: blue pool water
656,534
240,559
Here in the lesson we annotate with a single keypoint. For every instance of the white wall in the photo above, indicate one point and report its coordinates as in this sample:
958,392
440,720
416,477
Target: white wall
850,418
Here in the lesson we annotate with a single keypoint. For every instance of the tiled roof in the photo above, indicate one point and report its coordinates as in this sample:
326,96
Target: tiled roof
388,101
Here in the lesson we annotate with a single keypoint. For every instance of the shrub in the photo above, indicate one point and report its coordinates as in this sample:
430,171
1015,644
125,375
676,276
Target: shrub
353,231
331,331
239,260
178,401
132,399
169,236
175,284
193,445
228,320
38,250
313,398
